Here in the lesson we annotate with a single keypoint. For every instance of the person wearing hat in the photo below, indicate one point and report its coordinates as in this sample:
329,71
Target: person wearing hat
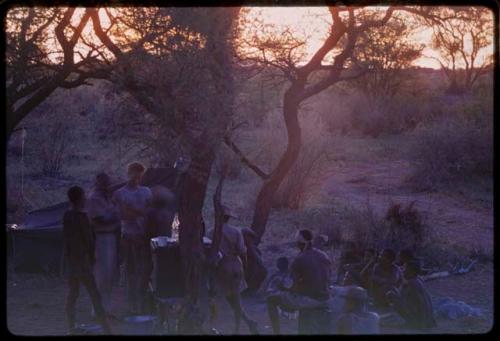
356,319
411,300
310,272
229,271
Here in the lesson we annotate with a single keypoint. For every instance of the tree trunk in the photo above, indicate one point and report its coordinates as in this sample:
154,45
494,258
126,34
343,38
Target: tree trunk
271,185
192,196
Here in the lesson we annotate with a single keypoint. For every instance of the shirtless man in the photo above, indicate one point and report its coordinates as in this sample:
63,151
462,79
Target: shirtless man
229,272
310,272
386,275
412,301
133,200
105,223
355,319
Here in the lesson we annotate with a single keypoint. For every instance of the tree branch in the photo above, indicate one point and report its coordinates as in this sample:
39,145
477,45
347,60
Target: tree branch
244,159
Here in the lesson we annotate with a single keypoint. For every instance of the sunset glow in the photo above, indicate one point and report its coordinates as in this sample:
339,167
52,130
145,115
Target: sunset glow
313,23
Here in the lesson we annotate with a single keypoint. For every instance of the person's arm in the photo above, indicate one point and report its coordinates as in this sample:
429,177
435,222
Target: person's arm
242,251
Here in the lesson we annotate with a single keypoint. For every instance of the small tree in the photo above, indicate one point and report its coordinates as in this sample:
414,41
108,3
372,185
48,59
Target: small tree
460,40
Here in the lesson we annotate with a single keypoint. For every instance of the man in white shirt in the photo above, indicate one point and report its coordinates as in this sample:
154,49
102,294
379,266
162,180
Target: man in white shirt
105,223
133,201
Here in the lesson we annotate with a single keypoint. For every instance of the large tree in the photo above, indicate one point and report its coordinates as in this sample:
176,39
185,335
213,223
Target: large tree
42,56
333,62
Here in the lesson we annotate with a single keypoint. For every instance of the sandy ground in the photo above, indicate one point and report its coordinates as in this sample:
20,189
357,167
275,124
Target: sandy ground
35,306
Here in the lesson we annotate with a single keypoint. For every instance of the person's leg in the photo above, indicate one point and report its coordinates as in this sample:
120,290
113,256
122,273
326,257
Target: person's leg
73,291
235,303
273,302
95,296
130,269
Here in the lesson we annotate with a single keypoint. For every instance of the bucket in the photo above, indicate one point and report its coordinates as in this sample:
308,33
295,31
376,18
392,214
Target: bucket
139,325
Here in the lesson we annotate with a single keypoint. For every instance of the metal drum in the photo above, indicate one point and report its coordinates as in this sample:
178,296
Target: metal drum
167,276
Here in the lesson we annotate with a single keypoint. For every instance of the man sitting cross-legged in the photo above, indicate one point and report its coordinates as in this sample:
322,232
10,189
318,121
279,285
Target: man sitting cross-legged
310,272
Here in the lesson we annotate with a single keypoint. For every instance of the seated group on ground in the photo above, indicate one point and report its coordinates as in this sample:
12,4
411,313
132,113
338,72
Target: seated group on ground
111,228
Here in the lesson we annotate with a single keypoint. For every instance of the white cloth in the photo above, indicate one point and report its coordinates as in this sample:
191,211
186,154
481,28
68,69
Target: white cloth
105,268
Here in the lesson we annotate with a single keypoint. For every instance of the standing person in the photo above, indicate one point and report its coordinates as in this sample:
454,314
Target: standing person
160,215
255,271
356,319
133,201
105,224
80,257
310,272
229,272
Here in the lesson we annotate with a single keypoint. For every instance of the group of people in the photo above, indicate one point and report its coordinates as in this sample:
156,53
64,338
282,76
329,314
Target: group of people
381,281
110,228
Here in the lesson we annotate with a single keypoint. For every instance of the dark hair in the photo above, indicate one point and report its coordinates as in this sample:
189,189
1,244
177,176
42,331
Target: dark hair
406,254
282,263
136,167
307,234
75,194
414,266
390,254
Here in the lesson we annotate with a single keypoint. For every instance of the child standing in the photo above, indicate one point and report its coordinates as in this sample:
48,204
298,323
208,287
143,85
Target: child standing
79,252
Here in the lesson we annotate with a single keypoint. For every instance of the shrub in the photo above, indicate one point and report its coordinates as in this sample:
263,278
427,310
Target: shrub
449,151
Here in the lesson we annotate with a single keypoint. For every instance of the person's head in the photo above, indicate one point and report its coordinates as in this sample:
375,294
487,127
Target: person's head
282,264
304,239
405,256
135,171
76,196
369,254
388,256
412,269
356,298
102,182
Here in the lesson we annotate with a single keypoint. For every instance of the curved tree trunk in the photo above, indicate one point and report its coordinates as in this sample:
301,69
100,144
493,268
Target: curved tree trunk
192,195
271,185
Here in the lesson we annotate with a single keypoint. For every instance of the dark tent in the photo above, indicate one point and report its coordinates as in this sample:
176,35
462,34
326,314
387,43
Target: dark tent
36,243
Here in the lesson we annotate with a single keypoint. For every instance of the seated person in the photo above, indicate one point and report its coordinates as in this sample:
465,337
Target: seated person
277,279
385,276
358,273
310,272
349,257
407,255
412,301
356,319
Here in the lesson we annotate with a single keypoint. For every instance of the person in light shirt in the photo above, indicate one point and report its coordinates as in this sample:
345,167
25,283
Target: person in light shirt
133,201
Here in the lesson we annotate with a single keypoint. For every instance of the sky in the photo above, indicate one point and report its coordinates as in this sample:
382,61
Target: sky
310,22
314,22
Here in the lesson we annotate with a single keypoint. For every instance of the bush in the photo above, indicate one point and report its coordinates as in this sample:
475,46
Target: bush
402,227
450,151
